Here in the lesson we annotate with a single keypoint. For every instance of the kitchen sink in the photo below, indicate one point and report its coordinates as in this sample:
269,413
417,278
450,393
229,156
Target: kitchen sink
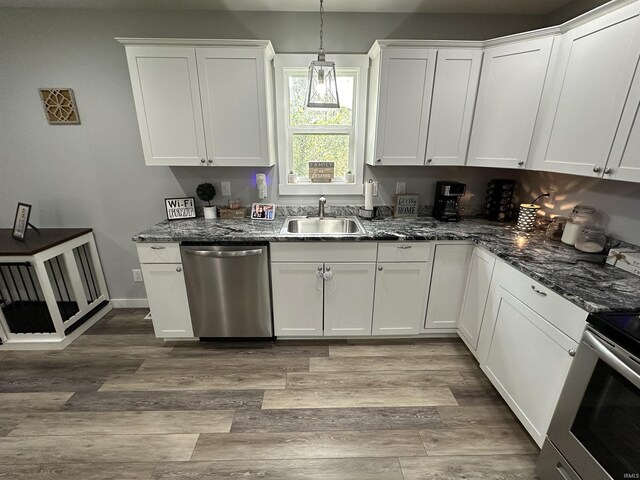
322,226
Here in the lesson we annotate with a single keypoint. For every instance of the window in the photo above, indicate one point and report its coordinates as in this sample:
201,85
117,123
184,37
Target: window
320,135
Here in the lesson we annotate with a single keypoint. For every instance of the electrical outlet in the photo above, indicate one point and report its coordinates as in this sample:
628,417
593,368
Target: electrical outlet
401,187
137,275
226,189
375,189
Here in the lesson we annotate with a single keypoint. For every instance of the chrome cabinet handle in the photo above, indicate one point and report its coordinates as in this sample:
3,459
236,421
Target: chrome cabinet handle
379,269
210,161
539,292
328,269
404,247
202,161
572,353
608,171
429,160
597,169
178,269
521,162
379,160
319,269
155,247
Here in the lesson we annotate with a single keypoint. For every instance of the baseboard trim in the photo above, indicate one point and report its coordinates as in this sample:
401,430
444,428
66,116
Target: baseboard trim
130,303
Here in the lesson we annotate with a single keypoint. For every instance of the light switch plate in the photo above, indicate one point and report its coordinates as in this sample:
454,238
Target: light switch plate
401,187
137,275
226,189
375,189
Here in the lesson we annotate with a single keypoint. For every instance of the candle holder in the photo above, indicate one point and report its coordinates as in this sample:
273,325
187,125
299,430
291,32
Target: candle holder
527,217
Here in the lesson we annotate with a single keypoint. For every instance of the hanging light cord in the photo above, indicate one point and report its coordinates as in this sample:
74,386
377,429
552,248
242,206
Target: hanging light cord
321,27
538,198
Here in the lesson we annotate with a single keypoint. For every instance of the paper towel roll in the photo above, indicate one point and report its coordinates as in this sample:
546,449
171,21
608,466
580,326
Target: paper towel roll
368,196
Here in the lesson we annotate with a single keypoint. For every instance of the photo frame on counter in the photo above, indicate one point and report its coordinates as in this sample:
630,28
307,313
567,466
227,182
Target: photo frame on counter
263,211
180,208
21,221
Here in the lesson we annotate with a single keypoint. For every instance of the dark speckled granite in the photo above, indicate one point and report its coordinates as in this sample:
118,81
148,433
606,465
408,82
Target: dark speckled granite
581,278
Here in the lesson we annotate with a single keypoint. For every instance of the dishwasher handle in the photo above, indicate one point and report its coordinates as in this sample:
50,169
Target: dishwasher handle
225,254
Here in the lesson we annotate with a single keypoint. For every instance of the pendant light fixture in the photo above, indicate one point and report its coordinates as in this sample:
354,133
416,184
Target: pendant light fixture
323,85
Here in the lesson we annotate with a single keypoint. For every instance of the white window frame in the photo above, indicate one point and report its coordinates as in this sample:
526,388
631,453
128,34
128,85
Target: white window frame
359,64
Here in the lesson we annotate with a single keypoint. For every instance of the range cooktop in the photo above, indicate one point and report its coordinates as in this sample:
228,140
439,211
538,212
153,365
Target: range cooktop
621,328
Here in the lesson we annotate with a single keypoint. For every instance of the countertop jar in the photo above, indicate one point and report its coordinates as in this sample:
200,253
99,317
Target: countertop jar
556,228
582,216
591,240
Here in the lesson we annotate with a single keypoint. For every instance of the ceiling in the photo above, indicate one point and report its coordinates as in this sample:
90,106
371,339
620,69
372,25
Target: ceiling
524,7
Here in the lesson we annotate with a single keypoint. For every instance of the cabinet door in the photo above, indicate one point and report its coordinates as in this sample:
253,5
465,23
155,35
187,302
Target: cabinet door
348,299
508,98
167,99
297,299
624,162
454,96
406,82
528,362
448,278
400,301
589,85
233,90
475,297
168,301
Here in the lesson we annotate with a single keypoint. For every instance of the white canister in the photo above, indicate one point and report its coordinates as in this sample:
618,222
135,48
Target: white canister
571,232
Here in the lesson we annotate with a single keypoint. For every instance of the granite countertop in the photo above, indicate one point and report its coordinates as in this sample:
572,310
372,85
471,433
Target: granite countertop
581,278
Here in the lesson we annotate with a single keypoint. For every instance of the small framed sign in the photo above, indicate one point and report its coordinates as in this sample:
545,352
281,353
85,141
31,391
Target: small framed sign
180,208
321,172
263,211
405,205
21,222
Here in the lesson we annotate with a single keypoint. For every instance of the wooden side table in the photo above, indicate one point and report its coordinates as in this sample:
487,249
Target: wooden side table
52,288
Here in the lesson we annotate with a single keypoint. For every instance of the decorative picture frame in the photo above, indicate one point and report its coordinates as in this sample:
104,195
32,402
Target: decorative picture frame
180,208
21,221
405,205
59,106
263,211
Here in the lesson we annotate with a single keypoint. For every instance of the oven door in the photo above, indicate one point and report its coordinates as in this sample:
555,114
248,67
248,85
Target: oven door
596,425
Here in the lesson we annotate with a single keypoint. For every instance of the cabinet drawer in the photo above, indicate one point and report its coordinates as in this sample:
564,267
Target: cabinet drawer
159,253
324,252
404,252
561,313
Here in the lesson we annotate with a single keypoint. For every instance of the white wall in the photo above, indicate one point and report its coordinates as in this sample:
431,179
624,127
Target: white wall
618,203
94,174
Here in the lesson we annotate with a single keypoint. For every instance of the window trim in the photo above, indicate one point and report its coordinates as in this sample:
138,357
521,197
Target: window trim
358,63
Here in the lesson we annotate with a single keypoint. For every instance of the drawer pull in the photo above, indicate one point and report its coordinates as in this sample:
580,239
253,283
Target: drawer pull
178,269
539,292
157,248
404,247
379,269
572,353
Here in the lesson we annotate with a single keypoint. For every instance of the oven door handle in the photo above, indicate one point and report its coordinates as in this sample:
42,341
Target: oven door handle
611,358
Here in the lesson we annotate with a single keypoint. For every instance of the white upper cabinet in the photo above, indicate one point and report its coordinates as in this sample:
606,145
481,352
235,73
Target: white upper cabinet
591,76
205,103
167,99
454,96
624,161
511,84
401,82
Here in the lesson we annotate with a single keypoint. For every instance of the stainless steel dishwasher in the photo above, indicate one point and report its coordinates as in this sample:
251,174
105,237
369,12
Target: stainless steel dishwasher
228,290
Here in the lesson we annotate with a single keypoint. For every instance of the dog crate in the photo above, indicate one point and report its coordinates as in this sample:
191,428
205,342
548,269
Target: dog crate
52,288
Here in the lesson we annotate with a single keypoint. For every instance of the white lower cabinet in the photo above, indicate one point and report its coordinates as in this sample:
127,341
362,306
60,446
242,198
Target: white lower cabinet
167,295
348,299
528,361
448,278
400,298
475,297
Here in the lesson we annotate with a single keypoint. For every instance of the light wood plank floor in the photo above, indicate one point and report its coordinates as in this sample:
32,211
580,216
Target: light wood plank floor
119,404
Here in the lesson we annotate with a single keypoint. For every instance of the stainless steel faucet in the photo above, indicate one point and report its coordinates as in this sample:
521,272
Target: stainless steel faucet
321,203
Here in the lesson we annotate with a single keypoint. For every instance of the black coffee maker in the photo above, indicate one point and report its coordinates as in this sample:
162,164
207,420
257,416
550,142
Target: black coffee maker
446,205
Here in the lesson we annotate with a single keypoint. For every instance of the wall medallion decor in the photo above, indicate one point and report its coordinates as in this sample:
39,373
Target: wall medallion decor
59,106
